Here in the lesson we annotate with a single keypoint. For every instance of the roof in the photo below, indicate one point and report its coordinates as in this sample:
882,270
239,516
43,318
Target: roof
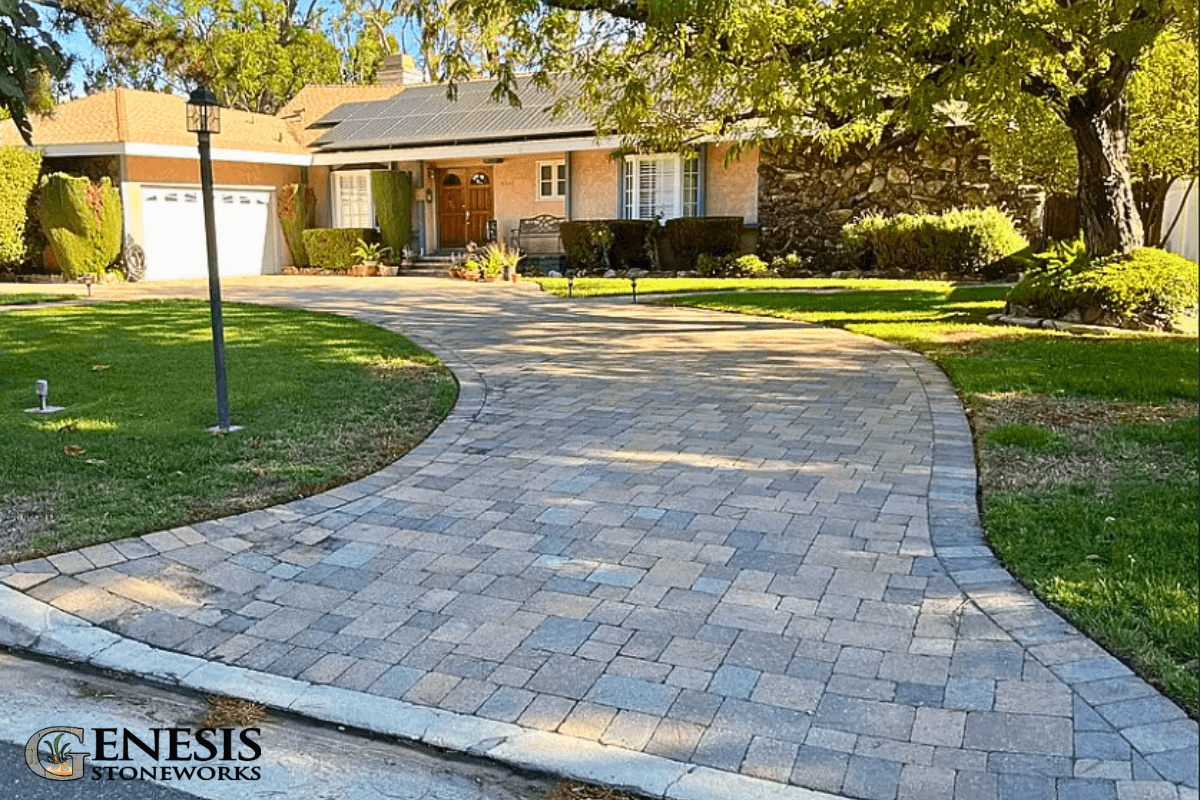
132,115
317,100
423,115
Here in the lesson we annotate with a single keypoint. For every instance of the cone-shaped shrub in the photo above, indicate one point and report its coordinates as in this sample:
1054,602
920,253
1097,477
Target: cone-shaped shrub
392,195
82,221
297,202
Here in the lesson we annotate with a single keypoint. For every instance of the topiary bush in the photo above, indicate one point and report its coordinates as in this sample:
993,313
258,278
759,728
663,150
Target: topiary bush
392,195
973,242
1147,289
18,178
82,221
691,237
333,248
296,205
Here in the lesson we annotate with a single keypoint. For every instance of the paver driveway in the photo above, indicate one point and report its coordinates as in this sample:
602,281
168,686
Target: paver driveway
740,543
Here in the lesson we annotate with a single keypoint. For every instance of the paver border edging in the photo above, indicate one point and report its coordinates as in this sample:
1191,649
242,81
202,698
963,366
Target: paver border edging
954,500
31,626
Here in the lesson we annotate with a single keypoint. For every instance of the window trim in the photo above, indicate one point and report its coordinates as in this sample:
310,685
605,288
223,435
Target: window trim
630,204
338,222
556,165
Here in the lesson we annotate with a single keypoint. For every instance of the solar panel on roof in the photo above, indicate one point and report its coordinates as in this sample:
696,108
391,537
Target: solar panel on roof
424,115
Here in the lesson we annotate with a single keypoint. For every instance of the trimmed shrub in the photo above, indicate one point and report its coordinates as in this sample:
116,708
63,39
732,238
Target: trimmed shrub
1148,288
333,248
973,242
644,244
629,248
392,195
691,237
747,266
586,243
18,178
296,205
82,221
627,244
793,265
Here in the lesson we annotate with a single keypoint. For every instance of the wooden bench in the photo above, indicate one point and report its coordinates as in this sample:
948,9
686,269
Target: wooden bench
538,236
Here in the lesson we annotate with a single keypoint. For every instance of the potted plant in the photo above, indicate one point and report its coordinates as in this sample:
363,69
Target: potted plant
369,254
499,262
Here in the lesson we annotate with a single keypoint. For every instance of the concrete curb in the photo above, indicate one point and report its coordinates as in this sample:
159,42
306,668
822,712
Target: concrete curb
31,626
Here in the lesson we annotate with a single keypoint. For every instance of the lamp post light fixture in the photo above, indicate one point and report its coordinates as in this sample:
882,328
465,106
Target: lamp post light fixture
204,119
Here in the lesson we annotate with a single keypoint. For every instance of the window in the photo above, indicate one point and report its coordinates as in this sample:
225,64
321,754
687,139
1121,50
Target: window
662,186
352,200
552,180
479,179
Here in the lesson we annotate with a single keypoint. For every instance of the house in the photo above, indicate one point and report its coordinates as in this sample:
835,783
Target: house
478,167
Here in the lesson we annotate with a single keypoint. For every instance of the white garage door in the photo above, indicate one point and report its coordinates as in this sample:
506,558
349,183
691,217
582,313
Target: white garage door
173,232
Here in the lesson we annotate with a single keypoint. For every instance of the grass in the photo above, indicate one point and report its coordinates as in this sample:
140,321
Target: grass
322,400
608,287
1096,515
30,299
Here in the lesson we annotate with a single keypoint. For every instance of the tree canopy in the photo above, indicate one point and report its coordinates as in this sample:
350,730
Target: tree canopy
30,62
253,54
661,72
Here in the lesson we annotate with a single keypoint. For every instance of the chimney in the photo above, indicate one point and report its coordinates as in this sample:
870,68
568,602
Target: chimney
399,70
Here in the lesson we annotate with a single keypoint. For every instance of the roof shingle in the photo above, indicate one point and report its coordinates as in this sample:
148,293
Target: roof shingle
131,115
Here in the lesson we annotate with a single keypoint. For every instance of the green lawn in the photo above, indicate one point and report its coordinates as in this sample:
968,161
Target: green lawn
322,400
1096,516
29,299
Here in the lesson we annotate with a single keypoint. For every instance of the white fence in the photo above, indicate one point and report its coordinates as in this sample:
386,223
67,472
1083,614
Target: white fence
1185,235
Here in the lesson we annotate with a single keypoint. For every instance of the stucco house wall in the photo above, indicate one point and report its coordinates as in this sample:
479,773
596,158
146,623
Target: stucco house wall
147,169
593,184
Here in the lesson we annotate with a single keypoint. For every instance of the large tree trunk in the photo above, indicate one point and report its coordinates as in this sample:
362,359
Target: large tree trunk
1100,127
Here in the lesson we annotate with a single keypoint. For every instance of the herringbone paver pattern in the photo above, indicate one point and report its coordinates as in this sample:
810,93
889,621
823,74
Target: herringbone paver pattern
740,543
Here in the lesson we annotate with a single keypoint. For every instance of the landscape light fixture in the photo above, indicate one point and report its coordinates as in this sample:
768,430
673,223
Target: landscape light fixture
42,389
204,119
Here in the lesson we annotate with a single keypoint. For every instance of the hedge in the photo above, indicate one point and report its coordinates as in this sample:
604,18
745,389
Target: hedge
973,242
676,245
628,248
82,221
333,248
392,195
1147,288
691,237
18,178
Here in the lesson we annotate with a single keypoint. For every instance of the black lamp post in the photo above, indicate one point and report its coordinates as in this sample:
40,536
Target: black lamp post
204,119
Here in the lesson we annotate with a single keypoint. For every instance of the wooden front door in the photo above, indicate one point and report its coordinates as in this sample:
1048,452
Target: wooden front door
465,204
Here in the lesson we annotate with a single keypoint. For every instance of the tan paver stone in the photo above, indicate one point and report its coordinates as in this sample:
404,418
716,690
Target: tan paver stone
715,539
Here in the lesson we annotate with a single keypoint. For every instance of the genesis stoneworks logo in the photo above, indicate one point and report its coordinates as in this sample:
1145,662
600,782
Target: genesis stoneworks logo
210,754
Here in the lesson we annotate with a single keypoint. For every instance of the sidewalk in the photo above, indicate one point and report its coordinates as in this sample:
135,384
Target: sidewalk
693,554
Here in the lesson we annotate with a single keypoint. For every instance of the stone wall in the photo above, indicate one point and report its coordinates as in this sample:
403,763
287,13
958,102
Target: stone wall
804,197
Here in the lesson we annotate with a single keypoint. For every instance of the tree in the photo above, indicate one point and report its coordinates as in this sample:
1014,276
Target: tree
30,61
1035,147
663,71
366,31
254,54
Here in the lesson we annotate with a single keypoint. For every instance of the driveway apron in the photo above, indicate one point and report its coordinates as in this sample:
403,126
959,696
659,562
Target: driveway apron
738,543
